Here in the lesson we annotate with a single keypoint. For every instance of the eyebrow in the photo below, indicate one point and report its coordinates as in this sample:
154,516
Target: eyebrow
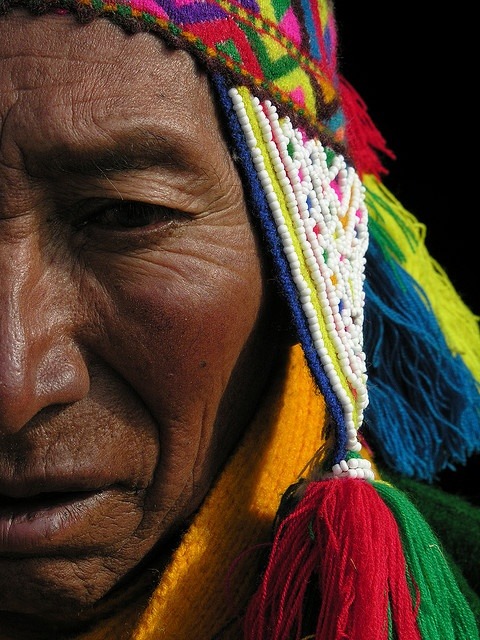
131,150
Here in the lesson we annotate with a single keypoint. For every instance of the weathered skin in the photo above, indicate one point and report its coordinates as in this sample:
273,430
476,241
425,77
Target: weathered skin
135,339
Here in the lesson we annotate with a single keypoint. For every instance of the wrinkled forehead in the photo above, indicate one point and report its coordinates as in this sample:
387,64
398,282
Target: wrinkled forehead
81,88
282,51
55,39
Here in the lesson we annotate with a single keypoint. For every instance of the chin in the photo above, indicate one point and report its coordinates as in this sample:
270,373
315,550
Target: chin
40,596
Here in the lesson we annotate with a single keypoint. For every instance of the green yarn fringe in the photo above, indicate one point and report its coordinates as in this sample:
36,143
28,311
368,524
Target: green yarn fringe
443,612
456,522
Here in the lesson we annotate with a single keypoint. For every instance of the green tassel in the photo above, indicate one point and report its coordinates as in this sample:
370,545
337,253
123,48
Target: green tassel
443,613
454,519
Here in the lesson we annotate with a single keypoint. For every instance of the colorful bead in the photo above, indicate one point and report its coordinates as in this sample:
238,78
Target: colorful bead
317,203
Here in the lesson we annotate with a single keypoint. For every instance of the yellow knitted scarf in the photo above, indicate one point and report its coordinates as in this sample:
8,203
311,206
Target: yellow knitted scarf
193,598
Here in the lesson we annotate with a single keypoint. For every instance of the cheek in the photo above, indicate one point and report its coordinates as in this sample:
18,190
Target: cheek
174,325
181,339
190,332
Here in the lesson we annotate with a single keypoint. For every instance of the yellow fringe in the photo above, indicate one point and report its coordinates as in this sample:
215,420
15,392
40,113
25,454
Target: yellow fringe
459,324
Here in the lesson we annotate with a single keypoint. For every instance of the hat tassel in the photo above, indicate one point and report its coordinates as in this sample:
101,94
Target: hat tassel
341,554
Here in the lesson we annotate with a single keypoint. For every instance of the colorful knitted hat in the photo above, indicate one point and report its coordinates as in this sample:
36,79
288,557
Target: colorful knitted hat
391,346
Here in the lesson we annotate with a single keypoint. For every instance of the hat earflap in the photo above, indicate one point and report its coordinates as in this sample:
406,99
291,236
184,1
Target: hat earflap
352,558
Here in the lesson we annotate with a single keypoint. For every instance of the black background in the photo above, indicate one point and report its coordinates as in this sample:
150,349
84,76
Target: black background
410,70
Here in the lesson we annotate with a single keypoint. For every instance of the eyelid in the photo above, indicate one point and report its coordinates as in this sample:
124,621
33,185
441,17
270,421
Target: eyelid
92,211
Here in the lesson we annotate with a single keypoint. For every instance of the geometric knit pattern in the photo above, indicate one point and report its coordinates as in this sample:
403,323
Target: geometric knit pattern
317,203
281,49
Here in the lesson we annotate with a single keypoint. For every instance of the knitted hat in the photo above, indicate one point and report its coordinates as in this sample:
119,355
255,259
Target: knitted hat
377,318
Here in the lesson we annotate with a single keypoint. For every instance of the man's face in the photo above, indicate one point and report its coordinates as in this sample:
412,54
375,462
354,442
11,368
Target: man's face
134,340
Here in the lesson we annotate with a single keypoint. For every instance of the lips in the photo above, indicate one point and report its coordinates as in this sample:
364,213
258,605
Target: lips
64,493
61,515
47,523
44,500
60,505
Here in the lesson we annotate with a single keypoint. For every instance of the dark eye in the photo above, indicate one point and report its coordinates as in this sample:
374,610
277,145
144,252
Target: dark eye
124,215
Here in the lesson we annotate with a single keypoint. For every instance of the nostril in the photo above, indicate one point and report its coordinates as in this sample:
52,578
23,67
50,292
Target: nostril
54,377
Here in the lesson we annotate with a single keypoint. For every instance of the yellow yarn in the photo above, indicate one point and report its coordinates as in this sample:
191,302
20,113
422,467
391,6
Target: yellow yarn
192,599
458,323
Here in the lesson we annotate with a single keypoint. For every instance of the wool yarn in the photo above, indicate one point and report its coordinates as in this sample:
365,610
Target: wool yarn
389,343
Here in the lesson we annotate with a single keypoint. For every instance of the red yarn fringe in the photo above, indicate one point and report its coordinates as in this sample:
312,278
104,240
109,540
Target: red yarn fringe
343,539
364,140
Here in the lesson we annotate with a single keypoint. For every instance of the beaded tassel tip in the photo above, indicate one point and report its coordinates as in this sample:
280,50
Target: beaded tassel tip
317,204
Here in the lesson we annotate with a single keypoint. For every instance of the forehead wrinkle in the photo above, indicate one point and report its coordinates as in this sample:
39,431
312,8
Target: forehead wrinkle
130,150
95,132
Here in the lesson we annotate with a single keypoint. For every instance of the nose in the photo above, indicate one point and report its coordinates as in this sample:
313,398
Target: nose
40,363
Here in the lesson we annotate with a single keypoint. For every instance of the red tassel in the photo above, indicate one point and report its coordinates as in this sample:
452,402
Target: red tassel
364,140
343,536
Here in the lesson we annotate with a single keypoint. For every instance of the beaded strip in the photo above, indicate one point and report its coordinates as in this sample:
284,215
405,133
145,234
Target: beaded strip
317,203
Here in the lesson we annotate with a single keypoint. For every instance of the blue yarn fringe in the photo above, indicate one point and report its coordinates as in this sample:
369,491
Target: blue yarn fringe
424,411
